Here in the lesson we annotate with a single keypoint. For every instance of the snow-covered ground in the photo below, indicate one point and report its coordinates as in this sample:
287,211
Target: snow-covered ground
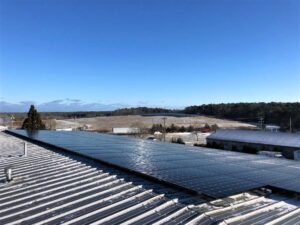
109,122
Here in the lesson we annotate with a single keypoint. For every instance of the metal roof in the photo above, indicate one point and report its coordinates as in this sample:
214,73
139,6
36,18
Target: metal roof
215,173
52,187
257,137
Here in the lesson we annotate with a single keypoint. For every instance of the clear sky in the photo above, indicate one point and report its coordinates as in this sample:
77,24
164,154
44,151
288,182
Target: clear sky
151,52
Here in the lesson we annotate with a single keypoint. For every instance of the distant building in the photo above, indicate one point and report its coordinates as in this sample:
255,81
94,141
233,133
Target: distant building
126,130
253,141
64,129
3,128
270,154
297,155
272,128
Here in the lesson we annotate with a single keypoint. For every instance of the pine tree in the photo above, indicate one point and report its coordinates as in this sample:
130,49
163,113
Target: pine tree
33,120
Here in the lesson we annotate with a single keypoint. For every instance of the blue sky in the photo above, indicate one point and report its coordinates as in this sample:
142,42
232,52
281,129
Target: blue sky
154,52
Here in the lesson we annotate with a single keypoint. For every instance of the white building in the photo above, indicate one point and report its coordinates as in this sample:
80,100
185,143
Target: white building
126,130
272,128
3,128
64,129
297,155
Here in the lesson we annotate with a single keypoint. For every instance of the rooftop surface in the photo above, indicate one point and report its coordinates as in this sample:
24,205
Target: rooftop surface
257,137
214,173
53,187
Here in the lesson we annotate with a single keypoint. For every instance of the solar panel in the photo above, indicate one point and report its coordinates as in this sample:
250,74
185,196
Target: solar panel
215,173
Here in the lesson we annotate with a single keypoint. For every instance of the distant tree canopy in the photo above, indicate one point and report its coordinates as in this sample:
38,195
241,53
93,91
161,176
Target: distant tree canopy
139,111
175,129
118,112
273,113
33,120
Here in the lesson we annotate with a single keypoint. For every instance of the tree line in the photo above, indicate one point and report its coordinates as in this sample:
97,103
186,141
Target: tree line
271,113
86,114
178,129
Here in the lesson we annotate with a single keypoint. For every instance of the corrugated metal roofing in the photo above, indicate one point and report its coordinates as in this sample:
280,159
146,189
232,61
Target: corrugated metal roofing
51,187
257,137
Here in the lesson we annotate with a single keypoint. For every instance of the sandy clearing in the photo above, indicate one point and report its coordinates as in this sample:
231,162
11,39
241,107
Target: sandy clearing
109,122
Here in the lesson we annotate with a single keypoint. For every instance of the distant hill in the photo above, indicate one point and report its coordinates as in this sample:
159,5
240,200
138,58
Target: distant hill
272,113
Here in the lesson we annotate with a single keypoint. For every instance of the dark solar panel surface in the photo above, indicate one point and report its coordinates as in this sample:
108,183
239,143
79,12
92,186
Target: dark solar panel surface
213,172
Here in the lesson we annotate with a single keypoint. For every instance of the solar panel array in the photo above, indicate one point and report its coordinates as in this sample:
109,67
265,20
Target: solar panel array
258,137
215,173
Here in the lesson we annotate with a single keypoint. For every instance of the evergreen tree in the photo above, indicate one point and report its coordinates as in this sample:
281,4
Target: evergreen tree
33,120
214,127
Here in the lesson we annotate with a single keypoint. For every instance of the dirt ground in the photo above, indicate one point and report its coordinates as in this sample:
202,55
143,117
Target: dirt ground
108,122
